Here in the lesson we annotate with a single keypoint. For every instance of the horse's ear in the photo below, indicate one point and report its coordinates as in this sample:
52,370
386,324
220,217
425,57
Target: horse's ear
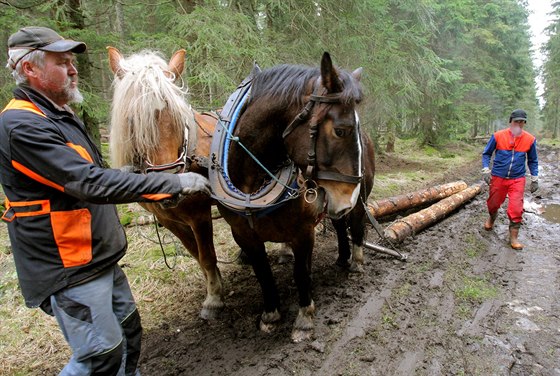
177,62
329,76
115,58
357,74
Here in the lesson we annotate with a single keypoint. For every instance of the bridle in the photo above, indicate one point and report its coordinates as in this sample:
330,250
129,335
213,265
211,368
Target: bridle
312,172
180,165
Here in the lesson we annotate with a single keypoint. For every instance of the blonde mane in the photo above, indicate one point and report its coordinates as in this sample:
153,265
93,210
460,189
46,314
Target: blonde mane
142,88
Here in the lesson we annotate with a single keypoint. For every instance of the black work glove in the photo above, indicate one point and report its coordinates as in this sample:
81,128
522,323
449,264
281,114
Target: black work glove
534,186
486,176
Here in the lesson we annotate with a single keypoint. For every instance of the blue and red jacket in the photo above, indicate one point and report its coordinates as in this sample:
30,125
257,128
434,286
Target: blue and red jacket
512,153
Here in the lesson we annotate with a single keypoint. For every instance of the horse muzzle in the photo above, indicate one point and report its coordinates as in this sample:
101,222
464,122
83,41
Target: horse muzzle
339,202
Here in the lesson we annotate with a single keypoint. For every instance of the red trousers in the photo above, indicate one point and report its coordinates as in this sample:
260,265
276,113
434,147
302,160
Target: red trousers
512,188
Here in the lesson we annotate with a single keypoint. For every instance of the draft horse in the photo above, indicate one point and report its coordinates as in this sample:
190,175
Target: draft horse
304,116
155,130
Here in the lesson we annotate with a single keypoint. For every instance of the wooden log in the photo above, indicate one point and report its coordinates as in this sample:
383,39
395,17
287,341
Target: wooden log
414,223
391,205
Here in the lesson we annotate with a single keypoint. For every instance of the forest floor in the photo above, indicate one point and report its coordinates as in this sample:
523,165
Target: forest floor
464,302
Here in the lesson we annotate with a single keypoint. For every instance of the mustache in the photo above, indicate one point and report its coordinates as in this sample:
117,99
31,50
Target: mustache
68,82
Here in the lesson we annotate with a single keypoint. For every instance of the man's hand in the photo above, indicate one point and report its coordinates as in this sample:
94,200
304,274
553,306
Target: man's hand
534,184
486,175
192,182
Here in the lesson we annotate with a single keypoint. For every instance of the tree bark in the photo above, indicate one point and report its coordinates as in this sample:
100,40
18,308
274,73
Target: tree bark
416,222
76,16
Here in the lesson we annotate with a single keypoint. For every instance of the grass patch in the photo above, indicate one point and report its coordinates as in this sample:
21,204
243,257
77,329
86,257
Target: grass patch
473,246
475,289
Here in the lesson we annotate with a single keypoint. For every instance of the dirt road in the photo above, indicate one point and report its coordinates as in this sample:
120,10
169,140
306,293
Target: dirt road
464,303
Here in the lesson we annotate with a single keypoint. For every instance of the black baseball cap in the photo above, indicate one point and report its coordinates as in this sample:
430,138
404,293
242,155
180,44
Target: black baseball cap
44,39
518,115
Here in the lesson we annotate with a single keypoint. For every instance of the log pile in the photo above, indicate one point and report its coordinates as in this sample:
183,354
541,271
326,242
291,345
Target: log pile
388,206
413,223
451,196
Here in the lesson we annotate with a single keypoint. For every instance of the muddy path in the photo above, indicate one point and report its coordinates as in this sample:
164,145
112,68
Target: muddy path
464,303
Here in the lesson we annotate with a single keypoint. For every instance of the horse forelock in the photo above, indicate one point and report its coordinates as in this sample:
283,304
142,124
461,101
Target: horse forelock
145,88
351,88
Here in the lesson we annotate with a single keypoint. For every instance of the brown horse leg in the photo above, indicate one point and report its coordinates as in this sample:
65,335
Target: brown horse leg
344,254
213,304
258,258
303,250
358,233
198,241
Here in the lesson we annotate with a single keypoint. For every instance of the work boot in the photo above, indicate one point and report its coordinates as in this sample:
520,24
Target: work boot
489,224
513,234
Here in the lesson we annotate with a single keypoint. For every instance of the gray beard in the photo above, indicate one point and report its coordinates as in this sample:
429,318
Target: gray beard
74,96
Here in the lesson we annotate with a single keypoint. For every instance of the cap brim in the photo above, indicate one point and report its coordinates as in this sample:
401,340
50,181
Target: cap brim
65,45
519,118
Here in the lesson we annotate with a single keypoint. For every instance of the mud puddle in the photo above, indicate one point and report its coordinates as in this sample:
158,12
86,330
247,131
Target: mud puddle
551,212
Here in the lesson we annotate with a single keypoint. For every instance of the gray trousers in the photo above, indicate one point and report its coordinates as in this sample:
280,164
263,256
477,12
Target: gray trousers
101,324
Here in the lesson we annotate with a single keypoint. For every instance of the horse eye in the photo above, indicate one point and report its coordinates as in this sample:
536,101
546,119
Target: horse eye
342,132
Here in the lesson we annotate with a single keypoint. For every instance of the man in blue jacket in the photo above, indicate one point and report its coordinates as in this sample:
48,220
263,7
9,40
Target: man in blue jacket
65,233
513,148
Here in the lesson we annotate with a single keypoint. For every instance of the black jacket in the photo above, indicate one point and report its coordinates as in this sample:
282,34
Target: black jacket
60,227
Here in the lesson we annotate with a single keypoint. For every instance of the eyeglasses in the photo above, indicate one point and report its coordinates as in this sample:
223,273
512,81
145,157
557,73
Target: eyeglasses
520,121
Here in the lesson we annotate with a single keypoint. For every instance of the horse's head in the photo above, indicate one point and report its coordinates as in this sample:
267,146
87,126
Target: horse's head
152,125
333,156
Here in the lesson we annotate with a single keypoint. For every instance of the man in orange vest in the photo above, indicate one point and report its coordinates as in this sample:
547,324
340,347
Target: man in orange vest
513,148
65,234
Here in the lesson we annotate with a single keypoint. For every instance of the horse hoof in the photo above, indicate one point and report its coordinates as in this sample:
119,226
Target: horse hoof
210,313
267,327
268,321
300,335
356,268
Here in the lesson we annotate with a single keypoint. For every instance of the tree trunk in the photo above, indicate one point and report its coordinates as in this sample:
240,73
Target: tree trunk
391,130
555,129
120,25
416,222
381,208
76,17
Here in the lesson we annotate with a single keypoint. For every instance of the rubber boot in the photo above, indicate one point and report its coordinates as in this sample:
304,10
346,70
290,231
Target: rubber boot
489,224
513,234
